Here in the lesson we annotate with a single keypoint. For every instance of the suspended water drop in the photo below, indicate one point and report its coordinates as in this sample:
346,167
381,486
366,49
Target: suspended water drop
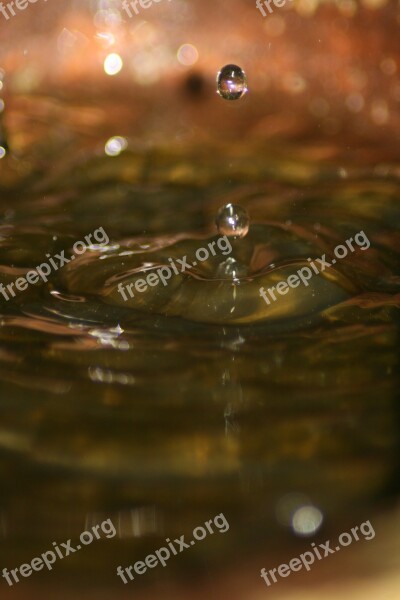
232,220
231,82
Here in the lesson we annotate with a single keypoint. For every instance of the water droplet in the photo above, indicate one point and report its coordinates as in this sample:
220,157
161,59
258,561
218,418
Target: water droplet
231,269
231,82
232,220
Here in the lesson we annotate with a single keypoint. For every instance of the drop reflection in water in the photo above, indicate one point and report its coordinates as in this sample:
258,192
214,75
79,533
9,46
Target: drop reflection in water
231,82
232,220
231,269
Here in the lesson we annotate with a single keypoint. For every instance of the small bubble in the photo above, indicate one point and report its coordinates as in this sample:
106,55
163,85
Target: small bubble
231,82
232,220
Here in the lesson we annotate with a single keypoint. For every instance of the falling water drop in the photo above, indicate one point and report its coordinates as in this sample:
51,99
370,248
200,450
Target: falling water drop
231,82
232,220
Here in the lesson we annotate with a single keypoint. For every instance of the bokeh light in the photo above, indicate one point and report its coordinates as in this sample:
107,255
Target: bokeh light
115,146
113,64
